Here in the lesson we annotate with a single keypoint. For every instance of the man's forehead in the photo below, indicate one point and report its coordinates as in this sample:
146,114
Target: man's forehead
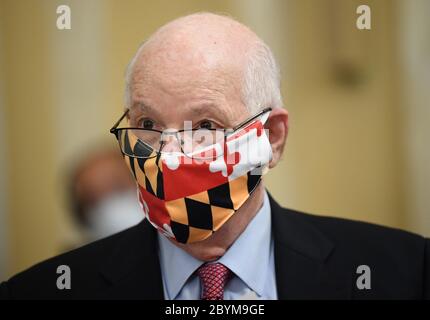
206,70
197,58
190,111
197,44
194,94
200,33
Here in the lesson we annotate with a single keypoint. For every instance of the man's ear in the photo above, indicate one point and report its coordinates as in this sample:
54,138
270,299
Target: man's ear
277,124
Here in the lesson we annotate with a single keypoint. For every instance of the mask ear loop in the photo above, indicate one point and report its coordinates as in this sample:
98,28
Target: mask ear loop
263,119
265,169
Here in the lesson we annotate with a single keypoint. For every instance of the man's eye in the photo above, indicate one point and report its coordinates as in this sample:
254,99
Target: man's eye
146,124
206,125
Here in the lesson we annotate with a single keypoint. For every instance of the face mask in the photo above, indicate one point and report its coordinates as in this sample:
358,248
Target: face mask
189,199
114,214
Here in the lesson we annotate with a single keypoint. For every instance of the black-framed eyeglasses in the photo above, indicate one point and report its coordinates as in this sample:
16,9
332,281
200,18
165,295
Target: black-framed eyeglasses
196,143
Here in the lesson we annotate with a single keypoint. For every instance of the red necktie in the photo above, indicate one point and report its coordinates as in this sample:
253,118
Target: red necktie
214,277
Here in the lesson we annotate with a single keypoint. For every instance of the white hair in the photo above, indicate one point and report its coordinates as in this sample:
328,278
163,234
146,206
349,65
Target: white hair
129,77
261,87
261,83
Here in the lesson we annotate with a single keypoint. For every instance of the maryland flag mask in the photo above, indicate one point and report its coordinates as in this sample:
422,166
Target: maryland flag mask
188,199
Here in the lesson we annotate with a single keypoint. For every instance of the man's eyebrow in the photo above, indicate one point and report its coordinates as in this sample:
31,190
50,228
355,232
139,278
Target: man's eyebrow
209,108
143,107
199,109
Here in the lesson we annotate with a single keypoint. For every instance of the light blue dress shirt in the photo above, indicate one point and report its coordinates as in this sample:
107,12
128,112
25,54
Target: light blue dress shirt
250,258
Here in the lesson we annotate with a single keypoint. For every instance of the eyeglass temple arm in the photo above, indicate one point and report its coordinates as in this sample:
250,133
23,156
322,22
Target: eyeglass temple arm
251,119
113,129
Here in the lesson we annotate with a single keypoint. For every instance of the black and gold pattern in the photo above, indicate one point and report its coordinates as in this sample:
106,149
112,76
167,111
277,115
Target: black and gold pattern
149,174
193,216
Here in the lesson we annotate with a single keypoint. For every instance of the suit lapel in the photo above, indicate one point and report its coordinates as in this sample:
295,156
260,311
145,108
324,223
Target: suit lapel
302,255
133,270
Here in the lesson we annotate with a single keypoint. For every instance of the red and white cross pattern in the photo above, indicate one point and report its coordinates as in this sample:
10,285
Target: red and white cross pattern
214,277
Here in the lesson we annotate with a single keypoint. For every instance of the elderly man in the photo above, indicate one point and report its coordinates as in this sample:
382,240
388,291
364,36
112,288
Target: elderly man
203,122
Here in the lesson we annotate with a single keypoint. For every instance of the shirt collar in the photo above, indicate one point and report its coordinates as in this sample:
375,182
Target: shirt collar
248,257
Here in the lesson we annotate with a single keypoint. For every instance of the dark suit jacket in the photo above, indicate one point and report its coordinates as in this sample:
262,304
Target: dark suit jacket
315,258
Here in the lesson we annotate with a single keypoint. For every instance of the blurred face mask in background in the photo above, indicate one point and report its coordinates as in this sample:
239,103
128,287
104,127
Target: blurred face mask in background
113,214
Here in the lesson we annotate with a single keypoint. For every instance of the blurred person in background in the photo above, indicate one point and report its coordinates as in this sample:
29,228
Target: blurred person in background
214,219
102,194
